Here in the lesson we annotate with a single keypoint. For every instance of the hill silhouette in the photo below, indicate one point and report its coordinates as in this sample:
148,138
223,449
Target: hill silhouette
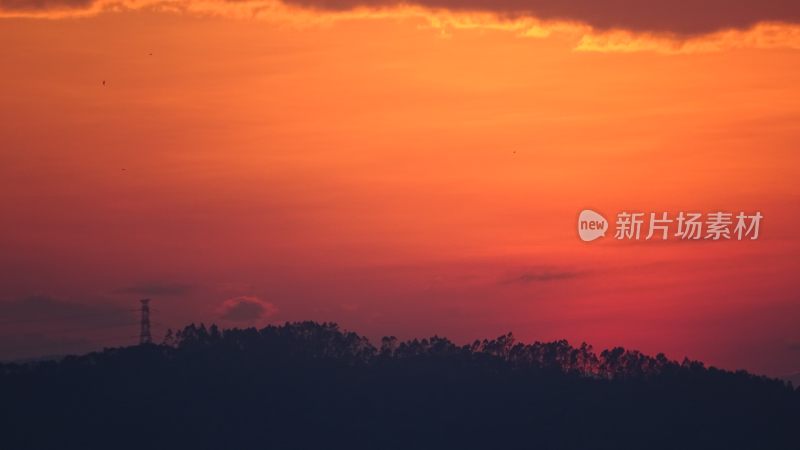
309,385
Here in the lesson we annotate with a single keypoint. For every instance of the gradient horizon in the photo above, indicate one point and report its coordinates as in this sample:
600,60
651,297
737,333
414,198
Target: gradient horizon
400,171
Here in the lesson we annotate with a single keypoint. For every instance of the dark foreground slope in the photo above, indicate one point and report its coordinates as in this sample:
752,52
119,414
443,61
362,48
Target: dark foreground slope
310,386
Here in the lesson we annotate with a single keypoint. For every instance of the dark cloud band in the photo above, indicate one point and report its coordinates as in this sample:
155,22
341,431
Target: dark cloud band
662,16
43,5
679,17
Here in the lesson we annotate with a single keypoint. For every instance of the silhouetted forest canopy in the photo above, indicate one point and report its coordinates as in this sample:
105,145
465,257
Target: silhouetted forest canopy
309,385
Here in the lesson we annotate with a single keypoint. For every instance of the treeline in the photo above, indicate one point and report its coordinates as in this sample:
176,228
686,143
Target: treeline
310,385
301,340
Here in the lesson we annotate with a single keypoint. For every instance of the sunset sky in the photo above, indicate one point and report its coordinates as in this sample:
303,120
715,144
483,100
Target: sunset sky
401,169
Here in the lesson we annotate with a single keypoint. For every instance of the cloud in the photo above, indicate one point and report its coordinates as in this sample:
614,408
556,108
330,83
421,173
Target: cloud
543,276
39,5
42,309
42,325
156,289
686,17
671,17
246,309
37,345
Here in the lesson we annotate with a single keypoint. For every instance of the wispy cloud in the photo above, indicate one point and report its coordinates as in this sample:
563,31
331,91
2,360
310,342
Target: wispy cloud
41,309
156,289
43,325
38,345
542,276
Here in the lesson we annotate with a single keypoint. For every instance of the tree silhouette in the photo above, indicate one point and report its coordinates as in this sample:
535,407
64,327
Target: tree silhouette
311,385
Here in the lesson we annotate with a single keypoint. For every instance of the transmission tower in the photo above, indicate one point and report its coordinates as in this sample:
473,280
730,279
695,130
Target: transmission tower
144,333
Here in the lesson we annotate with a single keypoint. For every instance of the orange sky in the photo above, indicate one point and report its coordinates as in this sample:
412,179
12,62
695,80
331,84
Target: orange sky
399,173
